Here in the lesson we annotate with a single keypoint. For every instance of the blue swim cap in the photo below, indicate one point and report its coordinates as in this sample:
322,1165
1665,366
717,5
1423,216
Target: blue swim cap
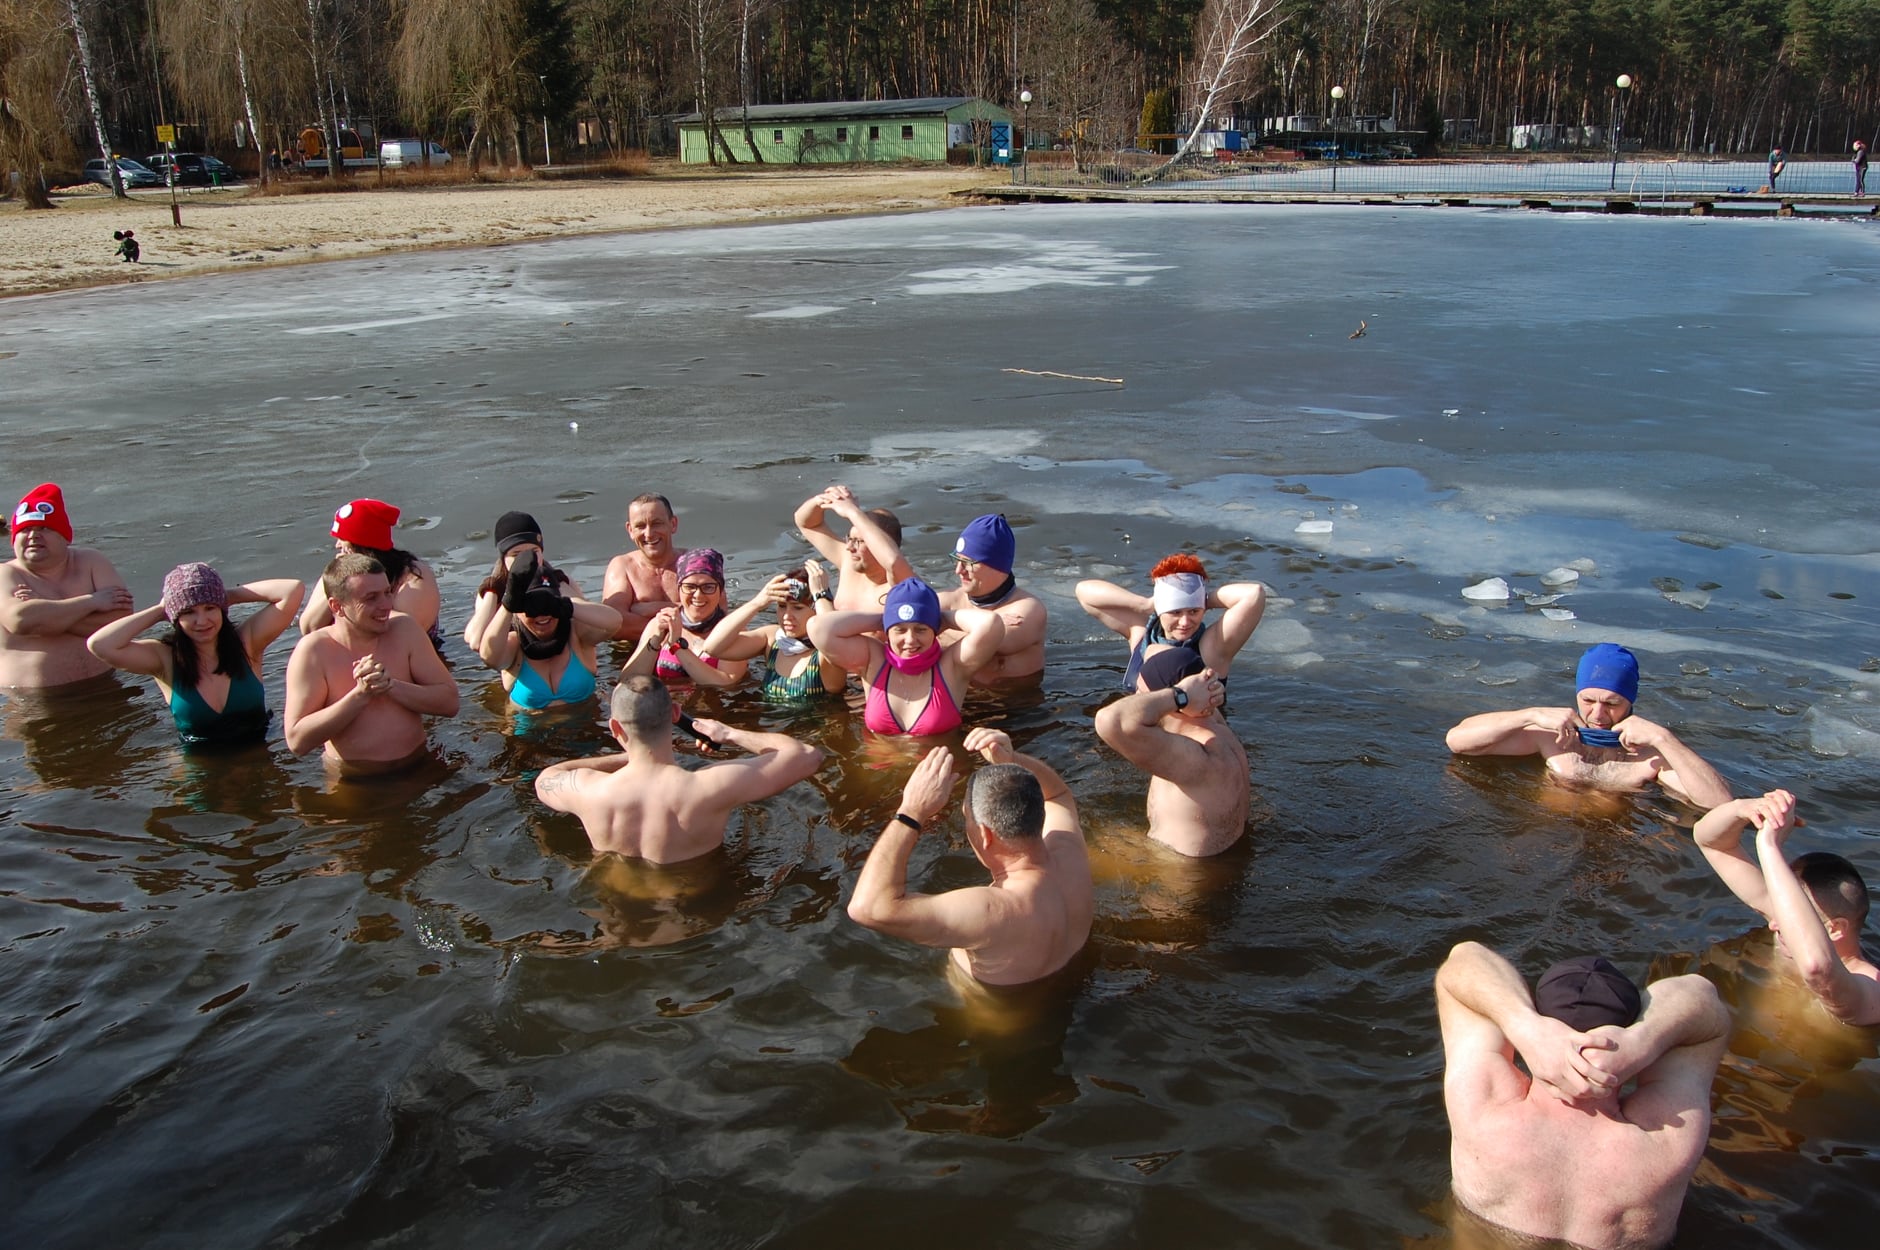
1608,666
912,602
988,540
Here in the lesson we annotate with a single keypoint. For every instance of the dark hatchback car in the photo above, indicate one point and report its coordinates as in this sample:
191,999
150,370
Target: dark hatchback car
192,169
134,173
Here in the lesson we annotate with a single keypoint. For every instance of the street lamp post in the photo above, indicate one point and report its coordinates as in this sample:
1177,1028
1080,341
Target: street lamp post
1338,93
1024,130
1624,84
548,157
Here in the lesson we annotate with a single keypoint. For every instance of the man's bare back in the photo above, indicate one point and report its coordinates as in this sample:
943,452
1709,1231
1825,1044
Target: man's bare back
643,804
1559,1151
1199,790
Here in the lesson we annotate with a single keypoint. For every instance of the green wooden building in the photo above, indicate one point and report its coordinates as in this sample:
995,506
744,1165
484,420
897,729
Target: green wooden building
846,132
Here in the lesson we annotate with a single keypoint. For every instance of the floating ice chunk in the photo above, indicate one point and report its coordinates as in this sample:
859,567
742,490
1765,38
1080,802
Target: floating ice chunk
1281,636
1313,527
1452,412
1558,614
1542,601
1585,566
1698,599
1494,590
1554,579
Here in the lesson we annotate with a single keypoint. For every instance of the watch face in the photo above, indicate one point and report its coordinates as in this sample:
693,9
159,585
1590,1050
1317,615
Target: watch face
1181,699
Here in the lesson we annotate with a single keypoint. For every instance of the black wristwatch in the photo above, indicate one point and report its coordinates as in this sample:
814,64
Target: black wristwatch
1181,698
825,596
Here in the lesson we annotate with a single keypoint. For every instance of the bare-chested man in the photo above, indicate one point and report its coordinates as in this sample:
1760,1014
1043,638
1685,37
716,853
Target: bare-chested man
1559,1151
1022,824
363,685
643,804
983,557
1599,742
53,596
1173,729
870,558
644,581
1816,904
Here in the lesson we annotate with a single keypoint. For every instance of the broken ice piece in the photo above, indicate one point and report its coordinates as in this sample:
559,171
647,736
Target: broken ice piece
1558,614
1313,527
1563,576
1492,590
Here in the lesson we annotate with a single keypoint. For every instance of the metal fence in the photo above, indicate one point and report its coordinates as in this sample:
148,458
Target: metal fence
1639,177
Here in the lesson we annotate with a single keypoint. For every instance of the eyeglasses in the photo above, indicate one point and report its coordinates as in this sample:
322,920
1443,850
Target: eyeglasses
698,588
962,565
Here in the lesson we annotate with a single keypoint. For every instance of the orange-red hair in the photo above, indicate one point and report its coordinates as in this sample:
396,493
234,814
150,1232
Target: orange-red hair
1180,562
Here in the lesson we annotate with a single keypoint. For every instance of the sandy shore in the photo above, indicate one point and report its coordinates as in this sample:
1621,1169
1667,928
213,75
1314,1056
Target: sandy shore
71,245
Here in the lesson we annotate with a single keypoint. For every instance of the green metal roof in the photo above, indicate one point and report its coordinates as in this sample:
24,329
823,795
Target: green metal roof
841,110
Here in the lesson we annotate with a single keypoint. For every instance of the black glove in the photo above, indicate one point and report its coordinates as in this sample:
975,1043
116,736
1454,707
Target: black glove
521,577
544,602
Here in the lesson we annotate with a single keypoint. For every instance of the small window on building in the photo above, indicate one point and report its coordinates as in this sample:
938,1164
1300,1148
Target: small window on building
842,134
907,132
809,134
874,133
776,136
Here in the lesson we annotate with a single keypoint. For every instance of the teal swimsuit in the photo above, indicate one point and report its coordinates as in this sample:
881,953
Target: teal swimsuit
530,691
806,685
243,719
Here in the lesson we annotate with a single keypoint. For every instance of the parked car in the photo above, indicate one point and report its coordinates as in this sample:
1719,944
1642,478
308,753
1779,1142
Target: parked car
134,173
410,153
192,169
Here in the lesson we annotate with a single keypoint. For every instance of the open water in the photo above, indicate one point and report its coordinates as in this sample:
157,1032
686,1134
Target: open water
239,1009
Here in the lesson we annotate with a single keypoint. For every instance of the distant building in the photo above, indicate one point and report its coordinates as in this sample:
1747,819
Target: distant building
1542,138
852,131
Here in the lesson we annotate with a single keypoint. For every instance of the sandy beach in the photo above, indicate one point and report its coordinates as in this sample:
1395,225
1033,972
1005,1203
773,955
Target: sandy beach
71,246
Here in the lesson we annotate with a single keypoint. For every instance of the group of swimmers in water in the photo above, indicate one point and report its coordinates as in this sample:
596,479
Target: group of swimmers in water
1560,1150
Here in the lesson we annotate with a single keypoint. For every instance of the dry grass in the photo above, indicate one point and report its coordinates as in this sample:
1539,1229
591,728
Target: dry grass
456,174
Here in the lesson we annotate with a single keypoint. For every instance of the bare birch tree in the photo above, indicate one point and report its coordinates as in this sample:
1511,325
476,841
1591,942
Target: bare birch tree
1227,42
87,77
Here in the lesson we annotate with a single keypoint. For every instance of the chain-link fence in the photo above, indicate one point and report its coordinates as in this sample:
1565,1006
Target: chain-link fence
1252,171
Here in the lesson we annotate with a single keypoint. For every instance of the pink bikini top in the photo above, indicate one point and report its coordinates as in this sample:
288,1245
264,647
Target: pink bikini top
941,715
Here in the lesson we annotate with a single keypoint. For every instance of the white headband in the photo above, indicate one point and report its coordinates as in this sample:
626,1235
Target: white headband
1180,590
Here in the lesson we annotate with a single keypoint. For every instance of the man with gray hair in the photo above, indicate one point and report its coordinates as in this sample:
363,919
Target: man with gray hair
1559,1152
1021,822
643,804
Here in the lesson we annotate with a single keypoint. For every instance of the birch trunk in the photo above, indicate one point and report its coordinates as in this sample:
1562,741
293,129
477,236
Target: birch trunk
91,101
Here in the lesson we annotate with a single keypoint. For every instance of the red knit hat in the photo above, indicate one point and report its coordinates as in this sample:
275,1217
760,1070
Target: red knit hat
366,523
44,505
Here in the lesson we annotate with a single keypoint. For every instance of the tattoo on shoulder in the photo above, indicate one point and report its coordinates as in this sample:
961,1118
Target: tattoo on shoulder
559,781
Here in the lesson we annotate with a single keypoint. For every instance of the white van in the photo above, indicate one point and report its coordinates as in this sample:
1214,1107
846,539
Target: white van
409,153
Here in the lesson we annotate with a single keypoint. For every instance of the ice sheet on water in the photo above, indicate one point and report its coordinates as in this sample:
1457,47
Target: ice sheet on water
795,312
1840,736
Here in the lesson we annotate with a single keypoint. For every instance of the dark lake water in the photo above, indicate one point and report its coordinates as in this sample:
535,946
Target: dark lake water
240,1009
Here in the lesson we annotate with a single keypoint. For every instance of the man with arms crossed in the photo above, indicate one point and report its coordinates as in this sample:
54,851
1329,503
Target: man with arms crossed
870,558
1174,731
1558,1151
363,685
645,580
52,597
1598,742
983,557
644,804
1022,824
1815,904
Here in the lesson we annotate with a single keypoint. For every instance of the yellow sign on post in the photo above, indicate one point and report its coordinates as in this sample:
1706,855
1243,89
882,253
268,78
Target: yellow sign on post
166,134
